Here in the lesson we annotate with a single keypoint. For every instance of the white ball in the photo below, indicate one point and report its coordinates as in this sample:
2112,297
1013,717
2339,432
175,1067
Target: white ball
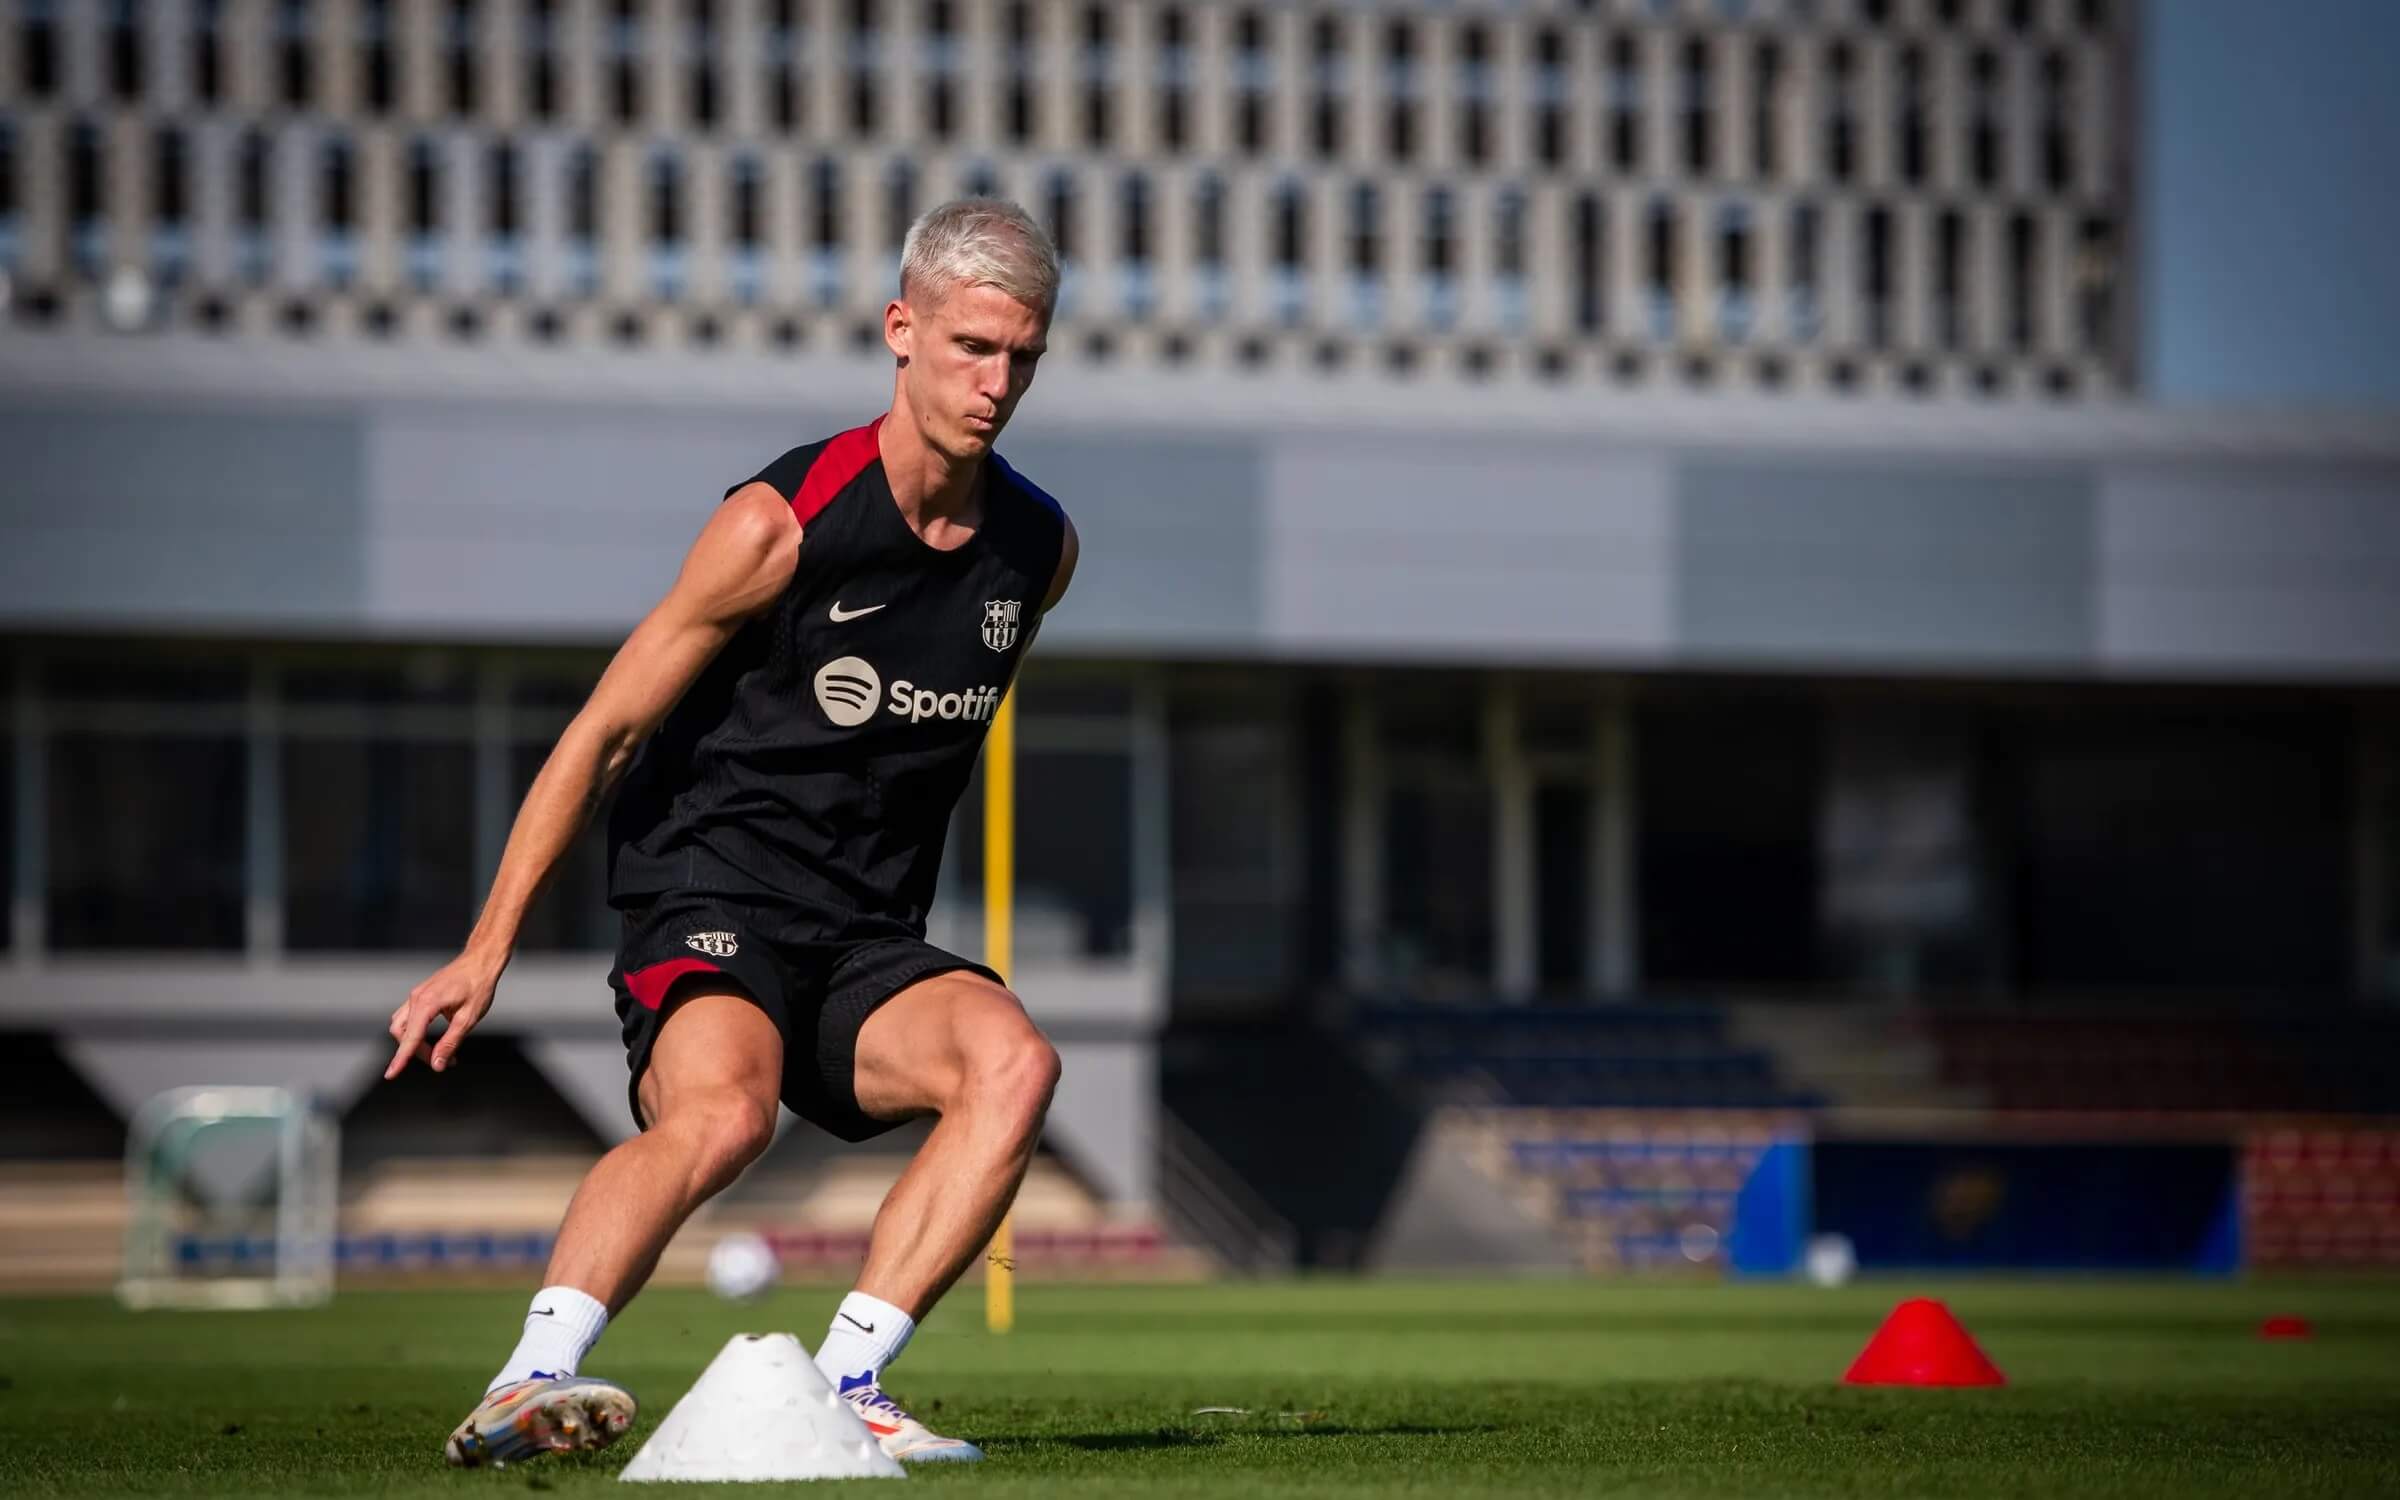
1832,1259
742,1265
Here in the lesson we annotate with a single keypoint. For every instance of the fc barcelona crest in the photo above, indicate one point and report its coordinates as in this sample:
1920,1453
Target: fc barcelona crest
1000,618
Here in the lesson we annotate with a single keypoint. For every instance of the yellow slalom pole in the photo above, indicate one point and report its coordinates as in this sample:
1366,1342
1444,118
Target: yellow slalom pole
999,915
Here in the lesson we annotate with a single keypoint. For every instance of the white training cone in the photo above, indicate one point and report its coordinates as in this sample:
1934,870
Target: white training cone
761,1410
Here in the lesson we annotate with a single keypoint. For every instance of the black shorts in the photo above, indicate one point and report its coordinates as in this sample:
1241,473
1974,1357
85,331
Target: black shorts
818,994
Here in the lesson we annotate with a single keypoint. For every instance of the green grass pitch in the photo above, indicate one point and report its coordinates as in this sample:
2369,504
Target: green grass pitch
1350,1388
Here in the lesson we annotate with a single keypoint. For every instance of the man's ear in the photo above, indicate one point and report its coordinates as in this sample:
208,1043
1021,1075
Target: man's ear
899,329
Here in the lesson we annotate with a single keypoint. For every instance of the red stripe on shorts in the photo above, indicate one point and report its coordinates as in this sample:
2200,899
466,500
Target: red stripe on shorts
650,985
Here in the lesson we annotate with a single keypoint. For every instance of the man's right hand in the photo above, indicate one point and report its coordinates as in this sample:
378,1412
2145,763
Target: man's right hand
461,990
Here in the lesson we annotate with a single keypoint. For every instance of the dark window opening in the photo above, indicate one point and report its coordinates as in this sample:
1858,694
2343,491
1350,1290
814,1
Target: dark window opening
291,52
375,56
1590,260
1699,111
1766,99
339,187
171,178
2024,275
464,77
125,51
1876,277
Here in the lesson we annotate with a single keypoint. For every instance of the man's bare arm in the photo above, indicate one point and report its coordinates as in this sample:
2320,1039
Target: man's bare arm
742,561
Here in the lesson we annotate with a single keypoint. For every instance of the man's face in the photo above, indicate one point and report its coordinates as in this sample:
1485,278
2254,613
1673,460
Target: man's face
970,354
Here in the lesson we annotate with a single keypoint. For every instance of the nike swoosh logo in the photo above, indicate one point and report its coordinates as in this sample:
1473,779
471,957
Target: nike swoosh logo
845,1317
837,614
543,1312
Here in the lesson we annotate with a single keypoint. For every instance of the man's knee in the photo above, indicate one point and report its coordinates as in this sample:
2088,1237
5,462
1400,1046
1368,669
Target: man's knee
1015,1072
725,1130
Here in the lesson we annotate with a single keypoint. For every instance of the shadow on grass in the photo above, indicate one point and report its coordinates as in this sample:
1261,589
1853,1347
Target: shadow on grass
1184,1437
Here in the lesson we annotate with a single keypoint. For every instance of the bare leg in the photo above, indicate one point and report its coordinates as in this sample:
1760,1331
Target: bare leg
960,1047
710,1093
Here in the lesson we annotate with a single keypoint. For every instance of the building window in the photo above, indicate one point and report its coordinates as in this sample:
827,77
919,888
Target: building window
1133,224
701,39
583,221
1253,82
625,61
250,206
148,804
1949,278
37,47
8,197
1734,299
746,227
1326,70
1661,278
504,188
1589,258
459,39
2096,283
941,70
541,58
1440,257
1208,245
1767,84
1983,118
1366,254
666,226
87,198
1841,119
1290,252
2024,280
1624,103
1804,308
825,263
1062,212
378,825
1875,277
1550,97
866,66
1475,93
1099,65
899,202
1508,257
375,56
292,52
1021,107
1699,108
337,211
207,44
783,61
1174,80
2057,111
1400,85
125,50
424,215
1911,122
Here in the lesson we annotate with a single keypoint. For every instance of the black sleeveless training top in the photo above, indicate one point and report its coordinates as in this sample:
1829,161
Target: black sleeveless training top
814,765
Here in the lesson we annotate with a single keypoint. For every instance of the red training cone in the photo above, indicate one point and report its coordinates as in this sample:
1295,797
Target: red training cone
2286,1328
1921,1344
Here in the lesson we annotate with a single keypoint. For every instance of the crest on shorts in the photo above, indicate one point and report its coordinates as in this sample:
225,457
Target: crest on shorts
1000,618
714,944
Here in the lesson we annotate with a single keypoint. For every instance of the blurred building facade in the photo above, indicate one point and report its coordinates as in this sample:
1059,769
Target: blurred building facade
1579,502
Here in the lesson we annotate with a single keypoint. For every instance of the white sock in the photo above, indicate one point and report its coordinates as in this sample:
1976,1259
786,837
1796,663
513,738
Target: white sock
868,1333
560,1329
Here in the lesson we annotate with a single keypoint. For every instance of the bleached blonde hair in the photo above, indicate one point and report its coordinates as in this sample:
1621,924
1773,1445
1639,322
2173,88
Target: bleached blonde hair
980,242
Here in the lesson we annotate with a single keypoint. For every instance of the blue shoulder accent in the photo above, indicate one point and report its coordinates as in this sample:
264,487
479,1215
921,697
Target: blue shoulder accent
1029,487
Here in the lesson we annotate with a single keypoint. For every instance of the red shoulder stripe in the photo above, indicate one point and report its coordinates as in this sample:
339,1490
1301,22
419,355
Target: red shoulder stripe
843,459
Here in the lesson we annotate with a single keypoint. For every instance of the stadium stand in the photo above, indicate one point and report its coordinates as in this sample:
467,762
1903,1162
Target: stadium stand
1626,1057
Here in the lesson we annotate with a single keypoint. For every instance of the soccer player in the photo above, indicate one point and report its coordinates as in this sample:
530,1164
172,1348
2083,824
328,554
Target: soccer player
794,723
